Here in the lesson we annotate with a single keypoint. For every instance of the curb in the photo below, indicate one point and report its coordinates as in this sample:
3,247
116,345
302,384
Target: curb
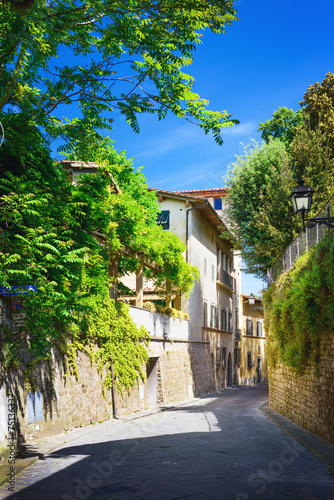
322,449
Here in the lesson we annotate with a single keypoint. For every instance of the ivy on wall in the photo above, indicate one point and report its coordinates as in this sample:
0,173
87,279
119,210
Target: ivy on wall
47,242
300,309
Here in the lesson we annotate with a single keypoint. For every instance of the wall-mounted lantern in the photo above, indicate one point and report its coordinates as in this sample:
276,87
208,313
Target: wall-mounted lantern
251,301
301,199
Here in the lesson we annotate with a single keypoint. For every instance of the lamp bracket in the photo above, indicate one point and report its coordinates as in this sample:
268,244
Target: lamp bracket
329,221
256,307
310,223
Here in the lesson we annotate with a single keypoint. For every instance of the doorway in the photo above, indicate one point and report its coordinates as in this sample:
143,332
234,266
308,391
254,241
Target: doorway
152,379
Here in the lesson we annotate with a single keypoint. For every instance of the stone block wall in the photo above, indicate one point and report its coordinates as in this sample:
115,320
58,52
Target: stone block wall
185,369
66,402
307,400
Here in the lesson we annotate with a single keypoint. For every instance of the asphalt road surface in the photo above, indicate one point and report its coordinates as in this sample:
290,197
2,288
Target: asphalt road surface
219,447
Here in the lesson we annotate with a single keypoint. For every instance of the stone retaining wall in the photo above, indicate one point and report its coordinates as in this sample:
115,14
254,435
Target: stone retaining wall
183,370
307,400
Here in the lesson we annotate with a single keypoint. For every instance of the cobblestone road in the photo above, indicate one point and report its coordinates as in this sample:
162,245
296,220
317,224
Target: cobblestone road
220,447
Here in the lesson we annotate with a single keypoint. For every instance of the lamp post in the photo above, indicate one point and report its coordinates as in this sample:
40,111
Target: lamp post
251,301
301,199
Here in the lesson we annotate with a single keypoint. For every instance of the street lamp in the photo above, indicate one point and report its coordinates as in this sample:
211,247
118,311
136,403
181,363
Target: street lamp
251,301
301,199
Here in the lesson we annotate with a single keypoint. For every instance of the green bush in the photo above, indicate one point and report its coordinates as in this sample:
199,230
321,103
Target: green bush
300,309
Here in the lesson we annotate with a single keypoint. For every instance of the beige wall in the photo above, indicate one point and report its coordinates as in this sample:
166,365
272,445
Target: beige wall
203,241
254,345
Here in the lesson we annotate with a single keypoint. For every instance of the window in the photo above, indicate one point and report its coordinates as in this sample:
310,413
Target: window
235,355
249,360
223,319
249,326
163,219
230,321
218,204
259,328
223,357
218,357
204,269
205,313
216,317
212,273
239,355
212,315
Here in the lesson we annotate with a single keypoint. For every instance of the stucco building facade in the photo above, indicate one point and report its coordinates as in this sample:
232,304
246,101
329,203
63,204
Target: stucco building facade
253,344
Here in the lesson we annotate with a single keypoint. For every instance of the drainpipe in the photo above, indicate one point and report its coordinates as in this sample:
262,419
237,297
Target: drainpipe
187,224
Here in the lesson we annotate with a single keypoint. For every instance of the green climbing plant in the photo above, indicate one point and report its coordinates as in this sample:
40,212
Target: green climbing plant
300,309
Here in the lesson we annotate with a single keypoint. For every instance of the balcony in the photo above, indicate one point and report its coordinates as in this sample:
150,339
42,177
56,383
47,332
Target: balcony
226,279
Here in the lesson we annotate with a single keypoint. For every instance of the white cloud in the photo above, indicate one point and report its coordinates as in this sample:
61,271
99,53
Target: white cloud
173,140
248,128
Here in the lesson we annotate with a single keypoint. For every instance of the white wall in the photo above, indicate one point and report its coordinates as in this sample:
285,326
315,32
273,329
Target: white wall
203,242
177,218
157,324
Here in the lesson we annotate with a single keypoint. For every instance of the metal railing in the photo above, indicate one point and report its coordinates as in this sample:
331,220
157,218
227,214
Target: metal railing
303,243
228,280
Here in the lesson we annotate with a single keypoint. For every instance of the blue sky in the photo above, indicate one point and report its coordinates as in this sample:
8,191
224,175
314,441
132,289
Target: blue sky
265,60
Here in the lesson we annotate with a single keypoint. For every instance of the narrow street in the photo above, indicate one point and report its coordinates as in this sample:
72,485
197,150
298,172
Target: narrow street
219,447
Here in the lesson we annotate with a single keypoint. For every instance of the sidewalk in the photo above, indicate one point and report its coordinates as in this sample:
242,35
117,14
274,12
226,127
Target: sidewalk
321,448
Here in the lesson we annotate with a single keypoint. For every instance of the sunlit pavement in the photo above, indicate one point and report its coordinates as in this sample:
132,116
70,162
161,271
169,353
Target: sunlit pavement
220,447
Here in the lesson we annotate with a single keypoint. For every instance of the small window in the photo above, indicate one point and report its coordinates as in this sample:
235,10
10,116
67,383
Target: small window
249,360
230,321
223,357
205,267
212,316
163,219
216,317
205,313
218,204
223,319
259,328
239,355
213,273
249,327
218,357
235,356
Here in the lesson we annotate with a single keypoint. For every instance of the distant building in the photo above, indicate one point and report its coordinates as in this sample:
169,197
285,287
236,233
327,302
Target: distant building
253,344
214,303
215,197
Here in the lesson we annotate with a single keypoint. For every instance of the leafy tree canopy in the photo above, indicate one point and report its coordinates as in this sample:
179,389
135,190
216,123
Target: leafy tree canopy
282,125
259,212
103,56
298,145
47,228
318,109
